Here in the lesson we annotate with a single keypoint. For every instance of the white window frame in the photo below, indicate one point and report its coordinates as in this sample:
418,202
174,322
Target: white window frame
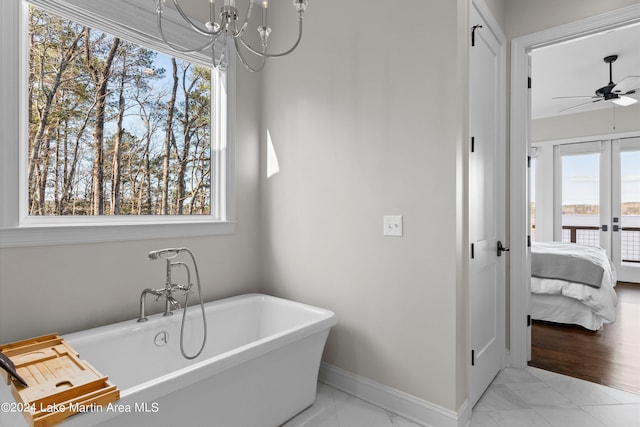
561,150
17,228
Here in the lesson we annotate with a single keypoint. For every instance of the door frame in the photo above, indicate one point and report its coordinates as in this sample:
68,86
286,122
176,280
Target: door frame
520,257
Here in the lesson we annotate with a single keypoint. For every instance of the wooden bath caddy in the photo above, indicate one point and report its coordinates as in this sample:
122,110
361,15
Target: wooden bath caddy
60,384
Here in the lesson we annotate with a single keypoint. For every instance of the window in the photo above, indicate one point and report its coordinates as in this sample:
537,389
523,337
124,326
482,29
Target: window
114,128
114,137
580,192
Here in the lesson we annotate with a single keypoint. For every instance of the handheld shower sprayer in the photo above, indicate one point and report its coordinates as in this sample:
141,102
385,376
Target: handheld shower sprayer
167,253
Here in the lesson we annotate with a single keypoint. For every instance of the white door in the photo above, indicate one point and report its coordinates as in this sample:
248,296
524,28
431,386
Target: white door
486,208
625,208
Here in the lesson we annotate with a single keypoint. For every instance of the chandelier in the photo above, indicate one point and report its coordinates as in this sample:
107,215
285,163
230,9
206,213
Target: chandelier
229,25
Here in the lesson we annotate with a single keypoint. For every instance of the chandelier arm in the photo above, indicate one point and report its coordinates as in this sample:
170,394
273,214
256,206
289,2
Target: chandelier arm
197,29
244,62
247,17
179,49
238,33
276,55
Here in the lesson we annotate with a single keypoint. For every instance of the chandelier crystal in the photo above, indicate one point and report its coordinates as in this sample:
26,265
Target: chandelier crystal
229,25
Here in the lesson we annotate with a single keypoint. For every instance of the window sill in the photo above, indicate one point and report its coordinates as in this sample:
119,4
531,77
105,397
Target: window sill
113,230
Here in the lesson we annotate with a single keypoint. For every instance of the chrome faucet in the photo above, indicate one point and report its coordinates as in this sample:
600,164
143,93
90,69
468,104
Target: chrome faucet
169,287
170,302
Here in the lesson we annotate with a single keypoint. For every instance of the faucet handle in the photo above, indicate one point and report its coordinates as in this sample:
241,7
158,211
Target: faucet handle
185,289
174,302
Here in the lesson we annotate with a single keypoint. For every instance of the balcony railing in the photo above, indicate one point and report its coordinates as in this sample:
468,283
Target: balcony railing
583,234
590,235
630,244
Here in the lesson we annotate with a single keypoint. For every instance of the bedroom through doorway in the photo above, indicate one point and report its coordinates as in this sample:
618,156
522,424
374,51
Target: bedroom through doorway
584,190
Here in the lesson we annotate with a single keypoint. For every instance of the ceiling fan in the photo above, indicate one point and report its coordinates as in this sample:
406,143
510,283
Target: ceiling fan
616,93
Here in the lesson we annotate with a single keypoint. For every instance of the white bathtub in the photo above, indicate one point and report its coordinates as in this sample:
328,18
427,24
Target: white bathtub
259,367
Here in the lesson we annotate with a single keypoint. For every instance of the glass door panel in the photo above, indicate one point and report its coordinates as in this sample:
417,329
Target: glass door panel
626,209
581,198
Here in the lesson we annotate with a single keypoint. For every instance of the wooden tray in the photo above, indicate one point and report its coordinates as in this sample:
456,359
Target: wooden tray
60,384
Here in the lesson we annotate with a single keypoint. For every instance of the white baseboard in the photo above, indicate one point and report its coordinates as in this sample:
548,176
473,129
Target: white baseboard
417,410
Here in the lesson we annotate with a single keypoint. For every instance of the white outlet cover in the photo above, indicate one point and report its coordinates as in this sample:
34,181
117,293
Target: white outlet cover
392,225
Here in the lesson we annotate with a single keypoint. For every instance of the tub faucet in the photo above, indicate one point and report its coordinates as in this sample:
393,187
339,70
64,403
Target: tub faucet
170,302
169,287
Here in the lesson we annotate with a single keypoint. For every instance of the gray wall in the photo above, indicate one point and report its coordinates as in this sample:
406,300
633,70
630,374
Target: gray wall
498,10
591,123
527,16
366,123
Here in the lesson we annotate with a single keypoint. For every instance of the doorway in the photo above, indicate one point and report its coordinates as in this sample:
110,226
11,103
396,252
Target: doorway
520,137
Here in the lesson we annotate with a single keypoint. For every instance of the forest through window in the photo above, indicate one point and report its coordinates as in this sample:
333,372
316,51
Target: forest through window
114,128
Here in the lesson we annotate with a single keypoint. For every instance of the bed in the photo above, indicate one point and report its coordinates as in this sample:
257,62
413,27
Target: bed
572,284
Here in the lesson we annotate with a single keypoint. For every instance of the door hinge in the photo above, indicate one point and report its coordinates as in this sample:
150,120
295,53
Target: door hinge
473,34
528,82
528,161
473,357
473,144
472,251
528,240
528,320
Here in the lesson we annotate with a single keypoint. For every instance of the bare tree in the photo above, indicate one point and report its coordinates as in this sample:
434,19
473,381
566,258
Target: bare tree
50,89
168,140
100,76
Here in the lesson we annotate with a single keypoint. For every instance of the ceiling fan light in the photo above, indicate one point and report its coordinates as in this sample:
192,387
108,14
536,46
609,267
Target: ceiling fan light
625,101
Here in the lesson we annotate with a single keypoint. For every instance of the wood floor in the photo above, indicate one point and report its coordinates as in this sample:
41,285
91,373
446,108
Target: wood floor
610,356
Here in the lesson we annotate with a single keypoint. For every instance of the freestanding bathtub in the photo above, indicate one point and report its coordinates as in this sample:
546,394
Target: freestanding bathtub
259,367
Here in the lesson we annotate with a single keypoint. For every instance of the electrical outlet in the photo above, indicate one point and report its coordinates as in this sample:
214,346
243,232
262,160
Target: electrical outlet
392,225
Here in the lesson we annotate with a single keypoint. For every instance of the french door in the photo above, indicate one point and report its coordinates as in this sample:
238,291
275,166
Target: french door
597,199
625,208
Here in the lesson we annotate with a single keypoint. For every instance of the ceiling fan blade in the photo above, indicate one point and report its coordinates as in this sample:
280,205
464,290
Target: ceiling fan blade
573,97
627,84
625,101
580,105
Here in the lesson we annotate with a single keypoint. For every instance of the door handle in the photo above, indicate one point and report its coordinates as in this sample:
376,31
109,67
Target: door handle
501,248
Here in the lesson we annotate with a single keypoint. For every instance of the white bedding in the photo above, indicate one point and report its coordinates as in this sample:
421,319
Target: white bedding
559,309
600,301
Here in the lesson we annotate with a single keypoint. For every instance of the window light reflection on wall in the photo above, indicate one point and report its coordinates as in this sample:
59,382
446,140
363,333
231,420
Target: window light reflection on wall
272,160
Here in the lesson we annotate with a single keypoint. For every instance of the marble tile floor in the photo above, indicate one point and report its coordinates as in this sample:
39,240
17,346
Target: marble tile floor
334,408
534,397
516,398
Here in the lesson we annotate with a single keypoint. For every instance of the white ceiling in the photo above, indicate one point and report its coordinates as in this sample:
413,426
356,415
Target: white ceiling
577,67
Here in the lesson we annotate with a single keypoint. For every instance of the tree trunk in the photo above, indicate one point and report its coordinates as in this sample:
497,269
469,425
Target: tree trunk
117,155
167,140
183,158
69,177
101,79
